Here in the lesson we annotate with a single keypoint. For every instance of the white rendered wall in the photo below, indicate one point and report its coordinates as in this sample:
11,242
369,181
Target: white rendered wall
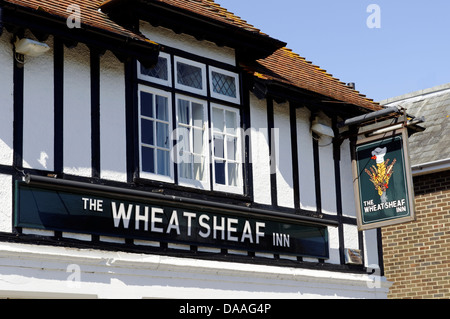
333,240
38,111
77,111
6,100
260,157
113,165
188,43
351,239
327,174
282,141
348,199
371,247
6,201
305,161
29,271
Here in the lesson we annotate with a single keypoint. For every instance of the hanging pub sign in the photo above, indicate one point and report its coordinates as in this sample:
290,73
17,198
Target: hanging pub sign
382,180
82,210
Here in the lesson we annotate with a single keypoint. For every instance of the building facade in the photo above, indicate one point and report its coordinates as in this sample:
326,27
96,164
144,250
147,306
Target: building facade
417,254
164,149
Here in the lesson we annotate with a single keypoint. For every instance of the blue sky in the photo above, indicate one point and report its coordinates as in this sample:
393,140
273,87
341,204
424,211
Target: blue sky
410,50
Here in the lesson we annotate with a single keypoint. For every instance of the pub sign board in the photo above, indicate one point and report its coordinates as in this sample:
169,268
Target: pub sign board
80,210
382,181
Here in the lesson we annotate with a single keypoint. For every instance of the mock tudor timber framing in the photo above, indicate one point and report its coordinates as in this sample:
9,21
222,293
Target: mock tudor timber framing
17,21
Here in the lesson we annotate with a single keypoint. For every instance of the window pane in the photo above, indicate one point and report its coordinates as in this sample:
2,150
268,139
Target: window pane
185,166
199,168
183,111
189,75
197,115
160,71
147,132
183,142
148,159
230,118
198,141
218,119
146,104
163,162
220,172
223,84
232,174
218,146
231,148
162,135
162,109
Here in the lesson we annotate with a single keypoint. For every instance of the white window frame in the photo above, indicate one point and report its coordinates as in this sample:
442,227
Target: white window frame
186,87
205,184
148,175
216,95
152,79
239,188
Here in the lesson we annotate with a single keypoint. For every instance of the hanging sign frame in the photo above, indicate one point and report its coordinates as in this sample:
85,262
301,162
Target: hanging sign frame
382,180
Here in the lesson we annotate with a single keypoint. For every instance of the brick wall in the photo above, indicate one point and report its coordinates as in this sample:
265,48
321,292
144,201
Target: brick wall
417,254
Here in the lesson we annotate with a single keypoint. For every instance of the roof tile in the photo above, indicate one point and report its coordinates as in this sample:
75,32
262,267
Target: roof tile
288,67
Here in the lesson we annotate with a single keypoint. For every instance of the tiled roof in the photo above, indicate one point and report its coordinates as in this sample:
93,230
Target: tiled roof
433,144
210,9
91,16
289,68
283,65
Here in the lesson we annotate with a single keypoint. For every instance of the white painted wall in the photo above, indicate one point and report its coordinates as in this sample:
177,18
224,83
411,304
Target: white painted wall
38,111
259,148
113,165
370,247
285,182
188,43
305,161
77,111
6,99
333,240
6,201
348,199
351,240
327,174
42,271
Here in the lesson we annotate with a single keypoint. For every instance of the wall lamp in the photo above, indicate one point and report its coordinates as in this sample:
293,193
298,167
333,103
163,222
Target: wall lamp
321,129
29,47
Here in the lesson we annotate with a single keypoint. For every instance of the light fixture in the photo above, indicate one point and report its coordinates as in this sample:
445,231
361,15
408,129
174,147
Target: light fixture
321,129
30,47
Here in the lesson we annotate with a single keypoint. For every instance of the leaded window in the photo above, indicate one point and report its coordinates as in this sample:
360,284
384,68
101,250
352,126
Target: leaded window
201,142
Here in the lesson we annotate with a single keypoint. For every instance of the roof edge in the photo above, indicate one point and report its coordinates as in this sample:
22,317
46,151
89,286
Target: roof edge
406,96
252,41
431,167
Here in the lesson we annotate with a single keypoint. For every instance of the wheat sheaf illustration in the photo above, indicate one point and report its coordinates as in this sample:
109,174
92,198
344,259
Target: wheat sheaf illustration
381,173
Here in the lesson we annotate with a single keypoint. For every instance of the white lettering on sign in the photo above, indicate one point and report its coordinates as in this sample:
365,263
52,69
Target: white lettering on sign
91,204
399,205
224,228
281,240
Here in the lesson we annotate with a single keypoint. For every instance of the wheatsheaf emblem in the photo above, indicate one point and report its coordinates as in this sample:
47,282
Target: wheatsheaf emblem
380,174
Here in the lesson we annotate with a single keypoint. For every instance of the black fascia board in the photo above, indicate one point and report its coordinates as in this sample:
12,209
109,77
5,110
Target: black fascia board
123,47
163,199
250,45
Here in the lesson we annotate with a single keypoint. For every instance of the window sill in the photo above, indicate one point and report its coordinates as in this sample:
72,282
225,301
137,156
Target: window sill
162,186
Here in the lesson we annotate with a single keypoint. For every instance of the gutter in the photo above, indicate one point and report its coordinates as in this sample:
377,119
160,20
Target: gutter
431,167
